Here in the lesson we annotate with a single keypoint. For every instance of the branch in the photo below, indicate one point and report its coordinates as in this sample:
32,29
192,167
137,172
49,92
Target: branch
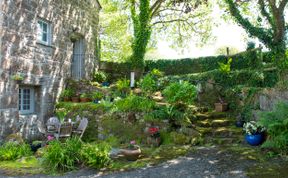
252,30
169,21
282,5
265,13
155,7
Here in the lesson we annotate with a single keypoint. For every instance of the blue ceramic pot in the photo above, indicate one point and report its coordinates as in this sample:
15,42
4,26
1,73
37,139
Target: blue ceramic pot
105,84
254,140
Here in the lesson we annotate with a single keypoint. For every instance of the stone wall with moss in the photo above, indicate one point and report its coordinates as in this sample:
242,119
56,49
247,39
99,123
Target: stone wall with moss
44,67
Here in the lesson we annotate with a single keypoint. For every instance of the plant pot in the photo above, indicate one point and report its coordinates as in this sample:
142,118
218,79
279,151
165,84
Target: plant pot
75,99
84,100
34,148
131,155
221,107
254,140
66,99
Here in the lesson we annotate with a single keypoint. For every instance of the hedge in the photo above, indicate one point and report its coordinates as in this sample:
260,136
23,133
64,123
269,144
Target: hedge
245,77
247,59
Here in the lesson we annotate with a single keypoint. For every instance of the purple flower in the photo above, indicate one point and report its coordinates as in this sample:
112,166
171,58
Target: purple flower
133,142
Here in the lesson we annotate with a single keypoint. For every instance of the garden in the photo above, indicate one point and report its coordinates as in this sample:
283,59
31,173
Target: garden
141,114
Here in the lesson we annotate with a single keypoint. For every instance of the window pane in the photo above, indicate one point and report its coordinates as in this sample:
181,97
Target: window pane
44,27
44,37
19,103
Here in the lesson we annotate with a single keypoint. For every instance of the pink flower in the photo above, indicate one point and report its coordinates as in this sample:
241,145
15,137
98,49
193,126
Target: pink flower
133,142
49,137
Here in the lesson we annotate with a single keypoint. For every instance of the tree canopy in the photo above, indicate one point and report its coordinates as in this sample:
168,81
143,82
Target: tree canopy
263,19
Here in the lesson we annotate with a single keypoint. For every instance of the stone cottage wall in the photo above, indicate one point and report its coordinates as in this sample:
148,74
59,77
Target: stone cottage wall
44,67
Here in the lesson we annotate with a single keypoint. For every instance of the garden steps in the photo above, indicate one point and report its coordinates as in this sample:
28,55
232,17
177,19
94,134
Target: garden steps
218,128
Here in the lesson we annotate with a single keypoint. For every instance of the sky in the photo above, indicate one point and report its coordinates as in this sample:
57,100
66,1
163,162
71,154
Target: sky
227,34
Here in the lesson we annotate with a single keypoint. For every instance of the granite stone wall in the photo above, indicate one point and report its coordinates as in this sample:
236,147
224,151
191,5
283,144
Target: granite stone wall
44,67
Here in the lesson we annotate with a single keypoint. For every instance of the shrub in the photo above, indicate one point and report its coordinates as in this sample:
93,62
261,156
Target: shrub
135,104
148,83
100,76
276,123
62,156
96,156
123,86
12,151
183,92
68,93
97,95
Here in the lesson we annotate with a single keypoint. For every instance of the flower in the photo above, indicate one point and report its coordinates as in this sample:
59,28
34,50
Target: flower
49,137
153,130
132,144
253,128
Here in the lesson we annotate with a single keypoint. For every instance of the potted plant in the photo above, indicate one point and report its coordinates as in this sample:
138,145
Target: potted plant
67,94
18,78
75,98
154,136
84,97
221,106
97,96
133,151
254,133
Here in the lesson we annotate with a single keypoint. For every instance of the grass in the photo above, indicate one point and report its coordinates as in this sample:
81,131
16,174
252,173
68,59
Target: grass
23,166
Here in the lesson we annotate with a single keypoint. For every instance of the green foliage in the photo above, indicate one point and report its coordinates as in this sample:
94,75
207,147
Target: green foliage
225,68
276,123
12,151
85,95
245,77
62,156
149,83
123,86
68,93
180,92
250,45
97,95
96,156
100,76
135,103
253,128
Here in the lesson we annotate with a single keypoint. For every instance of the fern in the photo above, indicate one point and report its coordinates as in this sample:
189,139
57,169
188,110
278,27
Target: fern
276,123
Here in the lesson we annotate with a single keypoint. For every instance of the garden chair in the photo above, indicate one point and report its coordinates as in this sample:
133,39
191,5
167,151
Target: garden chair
53,125
64,131
81,128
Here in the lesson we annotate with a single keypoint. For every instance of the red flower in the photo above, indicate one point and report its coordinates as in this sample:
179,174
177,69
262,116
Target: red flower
153,130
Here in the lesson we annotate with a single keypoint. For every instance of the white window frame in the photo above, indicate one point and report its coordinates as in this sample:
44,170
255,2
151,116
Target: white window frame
41,32
31,103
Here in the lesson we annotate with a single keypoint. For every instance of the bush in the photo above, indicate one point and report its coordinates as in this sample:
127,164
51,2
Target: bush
96,156
150,82
12,151
67,93
123,86
276,123
100,76
135,104
62,156
180,92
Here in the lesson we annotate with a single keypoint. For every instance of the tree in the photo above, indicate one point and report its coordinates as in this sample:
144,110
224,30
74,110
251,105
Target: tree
269,26
186,17
115,39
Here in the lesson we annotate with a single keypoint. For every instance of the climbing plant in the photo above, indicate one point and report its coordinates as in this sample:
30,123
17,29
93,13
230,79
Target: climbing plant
183,17
269,26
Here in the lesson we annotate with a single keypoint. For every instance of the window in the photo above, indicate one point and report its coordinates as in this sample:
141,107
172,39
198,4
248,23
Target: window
43,32
26,100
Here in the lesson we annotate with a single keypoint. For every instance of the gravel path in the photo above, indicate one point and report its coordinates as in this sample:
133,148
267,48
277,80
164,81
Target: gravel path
205,162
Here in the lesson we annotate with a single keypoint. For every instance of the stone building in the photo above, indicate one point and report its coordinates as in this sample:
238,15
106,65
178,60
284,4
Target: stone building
45,42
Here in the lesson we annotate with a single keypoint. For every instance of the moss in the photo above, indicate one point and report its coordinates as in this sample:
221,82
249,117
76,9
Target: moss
268,170
23,166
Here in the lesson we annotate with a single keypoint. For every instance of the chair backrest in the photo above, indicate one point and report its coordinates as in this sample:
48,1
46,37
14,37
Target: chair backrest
53,121
82,126
40,127
65,130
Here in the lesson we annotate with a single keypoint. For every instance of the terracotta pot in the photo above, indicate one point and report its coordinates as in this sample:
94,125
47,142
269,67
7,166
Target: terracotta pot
130,154
84,100
75,99
221,107
67,99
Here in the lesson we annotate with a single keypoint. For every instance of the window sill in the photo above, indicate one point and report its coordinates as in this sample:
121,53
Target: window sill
44,44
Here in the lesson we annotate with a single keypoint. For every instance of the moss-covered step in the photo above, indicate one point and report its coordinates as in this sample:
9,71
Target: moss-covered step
215,122
210,115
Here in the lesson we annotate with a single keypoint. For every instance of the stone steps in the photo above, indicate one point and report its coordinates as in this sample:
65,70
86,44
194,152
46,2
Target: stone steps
218,129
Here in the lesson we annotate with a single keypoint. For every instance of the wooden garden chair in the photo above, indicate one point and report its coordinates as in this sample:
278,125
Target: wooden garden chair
64,131
81,128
